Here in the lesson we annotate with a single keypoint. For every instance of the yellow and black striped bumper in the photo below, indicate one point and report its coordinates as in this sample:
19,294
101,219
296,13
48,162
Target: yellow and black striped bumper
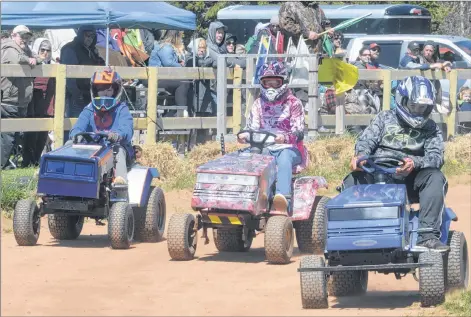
218,219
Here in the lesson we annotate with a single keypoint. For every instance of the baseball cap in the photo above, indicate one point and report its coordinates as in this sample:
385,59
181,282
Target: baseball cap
373,45
22,29
413,46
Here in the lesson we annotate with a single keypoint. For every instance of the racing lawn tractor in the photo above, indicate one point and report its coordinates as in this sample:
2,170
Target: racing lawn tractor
233,195
375,228
76,181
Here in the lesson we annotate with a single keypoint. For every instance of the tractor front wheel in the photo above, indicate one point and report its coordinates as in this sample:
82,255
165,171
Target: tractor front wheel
431,279
64,227
182,238
26,222
279,240
313,284
121,225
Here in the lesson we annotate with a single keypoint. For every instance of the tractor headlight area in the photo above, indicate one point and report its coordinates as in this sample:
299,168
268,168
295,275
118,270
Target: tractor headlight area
363,213
229,179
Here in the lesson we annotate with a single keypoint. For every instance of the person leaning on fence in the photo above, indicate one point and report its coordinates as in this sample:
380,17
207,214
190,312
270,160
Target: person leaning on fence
41,105
253,39
270,32
81,51
407,132
107,113
279,111
16,92
231,44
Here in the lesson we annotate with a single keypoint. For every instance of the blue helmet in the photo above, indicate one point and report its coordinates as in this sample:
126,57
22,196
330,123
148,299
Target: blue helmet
415,100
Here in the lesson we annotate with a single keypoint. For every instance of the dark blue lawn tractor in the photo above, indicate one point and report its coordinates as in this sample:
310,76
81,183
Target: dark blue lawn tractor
76,181
374,228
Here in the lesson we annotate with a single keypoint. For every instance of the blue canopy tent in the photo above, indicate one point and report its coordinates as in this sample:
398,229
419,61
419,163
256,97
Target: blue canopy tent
59,15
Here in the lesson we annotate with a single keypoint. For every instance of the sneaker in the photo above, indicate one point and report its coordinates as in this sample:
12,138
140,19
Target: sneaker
432,245
119,181
280,203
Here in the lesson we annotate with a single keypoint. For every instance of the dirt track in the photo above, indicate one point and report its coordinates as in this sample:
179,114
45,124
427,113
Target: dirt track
86,277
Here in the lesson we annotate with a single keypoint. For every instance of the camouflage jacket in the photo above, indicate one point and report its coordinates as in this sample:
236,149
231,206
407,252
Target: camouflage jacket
387,136
297,19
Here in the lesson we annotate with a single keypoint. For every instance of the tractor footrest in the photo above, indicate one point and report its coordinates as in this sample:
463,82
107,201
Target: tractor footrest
340,268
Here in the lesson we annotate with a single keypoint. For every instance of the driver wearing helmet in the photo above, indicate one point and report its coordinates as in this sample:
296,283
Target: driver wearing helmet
107,113
408,133
278,111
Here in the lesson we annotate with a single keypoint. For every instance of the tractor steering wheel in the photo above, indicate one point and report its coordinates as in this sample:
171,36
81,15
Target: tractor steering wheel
375,164
258,139
91,137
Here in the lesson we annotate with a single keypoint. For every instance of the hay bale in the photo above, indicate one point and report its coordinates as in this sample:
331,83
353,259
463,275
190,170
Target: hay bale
203,153
162,156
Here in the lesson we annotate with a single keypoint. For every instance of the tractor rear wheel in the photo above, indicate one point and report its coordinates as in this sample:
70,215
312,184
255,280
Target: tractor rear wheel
311,234
348,283
182,238
64,227
121,225
431,279
230,240
458,263
26,222
313,284
279,240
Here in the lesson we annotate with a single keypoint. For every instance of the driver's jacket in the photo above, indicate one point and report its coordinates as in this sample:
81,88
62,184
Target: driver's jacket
118,120
286,117
388,136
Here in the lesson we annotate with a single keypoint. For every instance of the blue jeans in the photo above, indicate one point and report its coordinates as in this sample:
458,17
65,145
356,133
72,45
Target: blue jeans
286,159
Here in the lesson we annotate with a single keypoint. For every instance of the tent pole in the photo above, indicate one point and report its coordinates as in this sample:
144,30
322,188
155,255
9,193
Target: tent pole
107,44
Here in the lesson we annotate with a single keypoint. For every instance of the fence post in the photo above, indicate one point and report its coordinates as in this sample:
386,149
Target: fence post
221,96
386,74
59,105
237,101
152,105
451,119
250,92
313,97
340,115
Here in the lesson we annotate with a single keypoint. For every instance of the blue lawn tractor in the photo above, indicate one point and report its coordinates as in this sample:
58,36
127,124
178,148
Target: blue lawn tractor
374,228
76,181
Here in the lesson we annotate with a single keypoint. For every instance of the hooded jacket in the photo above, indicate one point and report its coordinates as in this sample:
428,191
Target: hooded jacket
215,49
16,91
75,53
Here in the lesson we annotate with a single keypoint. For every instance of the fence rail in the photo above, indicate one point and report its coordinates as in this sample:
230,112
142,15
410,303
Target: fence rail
222,74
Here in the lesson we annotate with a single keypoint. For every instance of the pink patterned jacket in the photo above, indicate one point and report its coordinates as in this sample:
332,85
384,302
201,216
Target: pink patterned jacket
281,117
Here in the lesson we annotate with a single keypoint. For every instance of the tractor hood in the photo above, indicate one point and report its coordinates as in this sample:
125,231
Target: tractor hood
376,195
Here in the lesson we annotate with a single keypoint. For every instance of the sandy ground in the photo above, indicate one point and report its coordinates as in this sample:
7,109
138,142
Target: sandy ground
87,277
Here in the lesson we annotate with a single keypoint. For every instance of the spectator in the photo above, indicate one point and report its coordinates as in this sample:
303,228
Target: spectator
101,40
428,56
215,41
167,53
412,60
364,58
41,105
302,18
251,42
81,51
16,92
337,42
465,99
231,43
270,31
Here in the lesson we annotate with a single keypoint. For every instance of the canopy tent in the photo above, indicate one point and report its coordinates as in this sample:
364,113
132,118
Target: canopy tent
116,14
60,15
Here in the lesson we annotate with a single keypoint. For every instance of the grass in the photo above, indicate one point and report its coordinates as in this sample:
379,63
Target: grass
329,157
458,303
15,185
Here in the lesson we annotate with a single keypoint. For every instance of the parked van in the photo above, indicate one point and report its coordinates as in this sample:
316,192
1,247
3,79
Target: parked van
384,19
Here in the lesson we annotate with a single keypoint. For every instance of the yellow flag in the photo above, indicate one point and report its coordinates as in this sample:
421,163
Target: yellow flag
344,76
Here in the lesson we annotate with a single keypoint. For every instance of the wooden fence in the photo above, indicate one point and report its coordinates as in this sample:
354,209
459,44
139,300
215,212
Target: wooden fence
153,74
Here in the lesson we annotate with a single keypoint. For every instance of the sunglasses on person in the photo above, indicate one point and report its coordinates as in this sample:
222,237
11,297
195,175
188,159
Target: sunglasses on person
271,82
43,50
375,49
230,43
